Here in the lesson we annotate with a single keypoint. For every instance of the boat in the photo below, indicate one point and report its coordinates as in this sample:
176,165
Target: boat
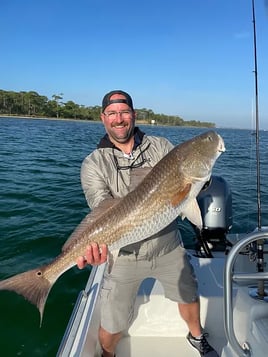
232,276
233,301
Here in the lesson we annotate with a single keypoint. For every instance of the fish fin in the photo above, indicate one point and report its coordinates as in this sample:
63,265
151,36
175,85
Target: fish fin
112,256
78,230
137,175
193,214
180,195
32,285
91,217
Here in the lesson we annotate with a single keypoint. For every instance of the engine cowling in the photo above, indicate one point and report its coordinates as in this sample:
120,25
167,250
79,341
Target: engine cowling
215,202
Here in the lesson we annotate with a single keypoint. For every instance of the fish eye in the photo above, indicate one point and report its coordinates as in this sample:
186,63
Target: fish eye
210,138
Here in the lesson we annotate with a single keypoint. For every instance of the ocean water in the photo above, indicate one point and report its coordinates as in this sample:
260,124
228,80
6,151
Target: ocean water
41,202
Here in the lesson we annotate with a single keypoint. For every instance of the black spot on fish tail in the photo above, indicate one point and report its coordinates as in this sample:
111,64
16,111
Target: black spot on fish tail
33,285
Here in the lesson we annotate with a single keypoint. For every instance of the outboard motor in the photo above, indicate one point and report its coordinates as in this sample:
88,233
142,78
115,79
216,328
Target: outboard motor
215,202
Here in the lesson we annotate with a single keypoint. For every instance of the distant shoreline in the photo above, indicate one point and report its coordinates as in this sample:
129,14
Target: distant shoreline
53,118
139,122
45,118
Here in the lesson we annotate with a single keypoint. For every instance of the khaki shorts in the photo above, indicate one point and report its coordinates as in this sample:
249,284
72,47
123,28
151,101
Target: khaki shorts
120,287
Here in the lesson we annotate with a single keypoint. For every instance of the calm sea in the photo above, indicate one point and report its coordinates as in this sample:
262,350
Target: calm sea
41,202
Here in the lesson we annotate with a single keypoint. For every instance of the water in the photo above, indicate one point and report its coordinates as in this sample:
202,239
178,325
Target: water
41,202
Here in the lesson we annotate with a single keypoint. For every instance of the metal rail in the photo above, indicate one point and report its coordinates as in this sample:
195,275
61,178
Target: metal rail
229,277
75,335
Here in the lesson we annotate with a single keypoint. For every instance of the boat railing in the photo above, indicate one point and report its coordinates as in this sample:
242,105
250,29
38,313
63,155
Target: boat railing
229,278
82,316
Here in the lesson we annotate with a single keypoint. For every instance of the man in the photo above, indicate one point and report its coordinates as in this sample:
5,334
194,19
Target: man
106,173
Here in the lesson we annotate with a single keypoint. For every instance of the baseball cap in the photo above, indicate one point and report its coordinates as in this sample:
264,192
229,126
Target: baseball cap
107,101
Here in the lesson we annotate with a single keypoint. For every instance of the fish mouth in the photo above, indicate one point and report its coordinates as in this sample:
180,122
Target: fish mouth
221,146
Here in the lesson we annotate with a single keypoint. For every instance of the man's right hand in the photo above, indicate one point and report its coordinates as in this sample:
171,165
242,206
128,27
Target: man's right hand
94,255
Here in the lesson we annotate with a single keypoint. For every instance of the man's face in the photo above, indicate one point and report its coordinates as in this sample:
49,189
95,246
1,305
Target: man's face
118,120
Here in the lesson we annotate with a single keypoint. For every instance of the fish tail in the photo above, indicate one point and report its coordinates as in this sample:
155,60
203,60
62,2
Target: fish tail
33,285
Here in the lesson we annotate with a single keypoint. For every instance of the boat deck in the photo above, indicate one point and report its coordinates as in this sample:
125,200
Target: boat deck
160,347
157,328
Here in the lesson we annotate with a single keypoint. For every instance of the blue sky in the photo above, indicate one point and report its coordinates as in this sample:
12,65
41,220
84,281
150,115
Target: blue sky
192,58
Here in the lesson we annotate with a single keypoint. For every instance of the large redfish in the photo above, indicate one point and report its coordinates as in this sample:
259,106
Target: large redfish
168,191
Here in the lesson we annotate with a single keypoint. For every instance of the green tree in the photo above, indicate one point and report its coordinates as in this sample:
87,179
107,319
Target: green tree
57,98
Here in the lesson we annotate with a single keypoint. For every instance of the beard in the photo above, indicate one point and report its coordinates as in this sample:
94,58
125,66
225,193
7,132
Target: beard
122,134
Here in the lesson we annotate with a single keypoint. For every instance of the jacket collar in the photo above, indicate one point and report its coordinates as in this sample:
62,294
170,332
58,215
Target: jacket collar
105,142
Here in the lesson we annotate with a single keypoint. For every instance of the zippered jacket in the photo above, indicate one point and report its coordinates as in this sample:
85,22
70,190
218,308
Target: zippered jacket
106,173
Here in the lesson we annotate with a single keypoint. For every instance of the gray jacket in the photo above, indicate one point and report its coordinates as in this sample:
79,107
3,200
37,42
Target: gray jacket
106,173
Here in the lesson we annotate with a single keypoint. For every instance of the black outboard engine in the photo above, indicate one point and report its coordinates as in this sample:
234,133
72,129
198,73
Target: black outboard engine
215,202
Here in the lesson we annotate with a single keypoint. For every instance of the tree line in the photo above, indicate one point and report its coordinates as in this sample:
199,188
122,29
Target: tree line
32,104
